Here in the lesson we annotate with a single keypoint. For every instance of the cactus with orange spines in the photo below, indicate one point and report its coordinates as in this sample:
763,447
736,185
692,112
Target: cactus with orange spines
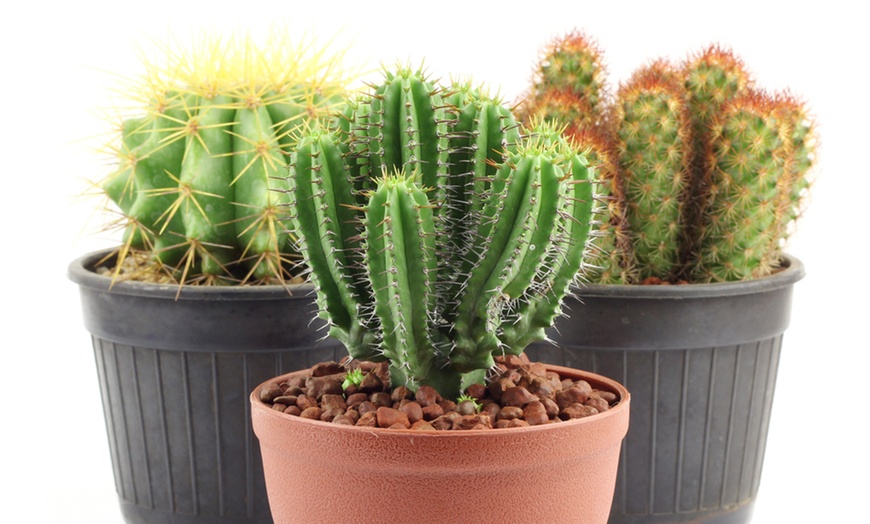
751,188
795,115
712,78
654,138
569,85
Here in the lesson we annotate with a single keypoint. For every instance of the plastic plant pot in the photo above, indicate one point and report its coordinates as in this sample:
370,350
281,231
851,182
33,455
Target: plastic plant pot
560,472
700,361
175,373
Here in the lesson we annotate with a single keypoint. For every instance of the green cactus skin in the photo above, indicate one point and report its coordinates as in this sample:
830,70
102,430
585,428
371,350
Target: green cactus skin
712,78
206,178
439,322
258,166
406,128
484,132
197,173
751,151
654,138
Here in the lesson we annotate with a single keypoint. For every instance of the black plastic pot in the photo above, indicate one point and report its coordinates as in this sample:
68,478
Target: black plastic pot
175,375
700,362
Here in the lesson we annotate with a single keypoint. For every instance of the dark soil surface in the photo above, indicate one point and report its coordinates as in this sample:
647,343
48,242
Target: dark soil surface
521,393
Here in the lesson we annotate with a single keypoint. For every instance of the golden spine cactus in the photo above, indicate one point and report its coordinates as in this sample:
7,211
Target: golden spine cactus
200,168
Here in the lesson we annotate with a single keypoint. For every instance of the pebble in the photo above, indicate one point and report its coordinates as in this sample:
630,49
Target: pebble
525,394
389,417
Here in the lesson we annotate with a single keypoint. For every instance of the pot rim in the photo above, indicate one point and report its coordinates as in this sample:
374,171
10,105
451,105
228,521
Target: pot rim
593,378
792,270
81,272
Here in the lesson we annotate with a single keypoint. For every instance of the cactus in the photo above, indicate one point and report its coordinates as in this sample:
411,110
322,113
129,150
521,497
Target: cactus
673,207
448,255
197,173
760,153
570,83
570,89
654,140
611,257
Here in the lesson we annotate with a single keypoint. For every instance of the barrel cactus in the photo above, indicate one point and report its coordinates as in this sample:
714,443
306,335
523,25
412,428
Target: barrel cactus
199,169
708,171
461,244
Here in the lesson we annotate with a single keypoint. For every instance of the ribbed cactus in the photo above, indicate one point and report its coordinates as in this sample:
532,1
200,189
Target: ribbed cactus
198,171
653,144
570,89
760,154
667,157
437,269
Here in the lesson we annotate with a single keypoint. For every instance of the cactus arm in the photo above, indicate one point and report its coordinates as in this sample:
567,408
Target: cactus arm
751,154
409,129
323,214
402,264
654,140
527,198
539,309
206,181
484,132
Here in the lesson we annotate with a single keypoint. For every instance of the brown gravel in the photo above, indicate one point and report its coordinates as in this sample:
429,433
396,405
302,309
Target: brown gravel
521,394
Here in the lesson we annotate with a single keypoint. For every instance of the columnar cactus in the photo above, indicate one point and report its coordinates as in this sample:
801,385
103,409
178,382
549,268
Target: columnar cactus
570,90
197,173
760,154
653,144
438,308
569,82
673,155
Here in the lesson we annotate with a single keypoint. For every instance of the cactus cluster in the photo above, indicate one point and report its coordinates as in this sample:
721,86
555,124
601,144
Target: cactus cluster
199,167
437,232
703,172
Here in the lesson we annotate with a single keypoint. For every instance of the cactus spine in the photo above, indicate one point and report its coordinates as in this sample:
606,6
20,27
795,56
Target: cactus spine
197,173
436,307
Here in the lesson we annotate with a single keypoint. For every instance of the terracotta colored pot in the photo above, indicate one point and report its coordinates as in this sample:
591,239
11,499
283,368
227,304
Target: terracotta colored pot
563,472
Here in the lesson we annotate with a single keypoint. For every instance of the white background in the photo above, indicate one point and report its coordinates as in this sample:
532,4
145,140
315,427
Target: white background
59,62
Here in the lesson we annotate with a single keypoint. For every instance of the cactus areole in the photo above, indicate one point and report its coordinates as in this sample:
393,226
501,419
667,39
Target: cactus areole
436,234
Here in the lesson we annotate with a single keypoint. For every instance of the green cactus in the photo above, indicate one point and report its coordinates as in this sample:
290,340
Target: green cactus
438,309
570,83
611,257
760,153
654,139
197,174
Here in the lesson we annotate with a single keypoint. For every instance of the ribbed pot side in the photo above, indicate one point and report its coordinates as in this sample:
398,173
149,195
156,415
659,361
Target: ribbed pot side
701,363
175,372
563,472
